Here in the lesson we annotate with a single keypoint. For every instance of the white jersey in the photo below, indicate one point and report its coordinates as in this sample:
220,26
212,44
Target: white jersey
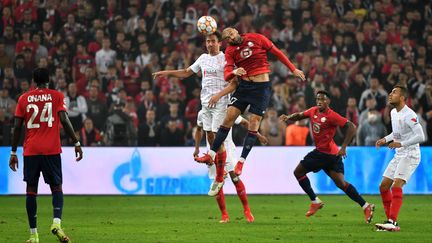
406,130
212,70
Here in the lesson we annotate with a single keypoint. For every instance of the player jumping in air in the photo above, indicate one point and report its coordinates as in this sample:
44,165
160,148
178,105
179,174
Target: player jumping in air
41,111
211,66
247,52
326,155
406,135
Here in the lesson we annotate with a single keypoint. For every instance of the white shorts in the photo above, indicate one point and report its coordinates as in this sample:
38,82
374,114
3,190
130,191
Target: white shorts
402,166
212,118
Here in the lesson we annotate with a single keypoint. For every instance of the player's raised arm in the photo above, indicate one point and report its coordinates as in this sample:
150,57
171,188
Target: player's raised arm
293,117
67,125
16,133
180,73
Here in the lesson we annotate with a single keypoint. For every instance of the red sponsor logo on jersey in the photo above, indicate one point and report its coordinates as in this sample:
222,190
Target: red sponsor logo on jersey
414,119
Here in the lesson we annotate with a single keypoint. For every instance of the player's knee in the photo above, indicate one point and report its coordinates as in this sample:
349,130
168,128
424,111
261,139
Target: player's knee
56,188
341,184
32,188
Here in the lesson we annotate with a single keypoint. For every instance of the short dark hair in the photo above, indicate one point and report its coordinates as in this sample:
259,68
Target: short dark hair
403,89
323,92
41,75
217,34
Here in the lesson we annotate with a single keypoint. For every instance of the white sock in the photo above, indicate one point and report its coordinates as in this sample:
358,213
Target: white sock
317,200
33,230
242,160
56,221
365,205
212,154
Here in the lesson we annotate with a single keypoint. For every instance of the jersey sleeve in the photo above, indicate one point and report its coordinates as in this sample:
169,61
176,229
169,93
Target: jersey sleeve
265,42
337,119
20,108
309,112
196,66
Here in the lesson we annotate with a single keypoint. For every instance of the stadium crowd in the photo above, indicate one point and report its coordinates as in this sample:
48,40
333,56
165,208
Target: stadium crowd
102,53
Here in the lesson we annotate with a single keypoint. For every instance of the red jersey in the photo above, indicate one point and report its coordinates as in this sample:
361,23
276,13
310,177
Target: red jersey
39,108
251,55
324,128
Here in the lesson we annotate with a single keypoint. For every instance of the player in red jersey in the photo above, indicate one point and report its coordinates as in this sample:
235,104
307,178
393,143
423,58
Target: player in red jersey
326,155
41,111
248,53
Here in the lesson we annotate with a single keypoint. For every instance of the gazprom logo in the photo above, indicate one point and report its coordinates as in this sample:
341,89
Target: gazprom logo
127,175
133,177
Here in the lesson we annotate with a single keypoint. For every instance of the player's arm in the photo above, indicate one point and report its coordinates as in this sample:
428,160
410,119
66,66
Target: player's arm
351,130
180,73
16,134
417,137
229,71
197,138
227,90
67,126
384,140
293,117
269,46
261,138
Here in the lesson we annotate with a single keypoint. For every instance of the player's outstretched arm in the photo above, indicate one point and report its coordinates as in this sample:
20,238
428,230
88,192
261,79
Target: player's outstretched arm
282,58
67,125
227,90
16,133
181,73
293,117
349,135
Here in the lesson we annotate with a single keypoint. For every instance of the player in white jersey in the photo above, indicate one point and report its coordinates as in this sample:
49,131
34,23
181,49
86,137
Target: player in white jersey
212,66
405,138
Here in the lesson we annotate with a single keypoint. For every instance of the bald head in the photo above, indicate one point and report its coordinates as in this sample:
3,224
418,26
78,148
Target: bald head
232,36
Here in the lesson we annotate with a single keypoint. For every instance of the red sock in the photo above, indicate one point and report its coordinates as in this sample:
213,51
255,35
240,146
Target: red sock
386,197
220,198
241,192
396,203
220,165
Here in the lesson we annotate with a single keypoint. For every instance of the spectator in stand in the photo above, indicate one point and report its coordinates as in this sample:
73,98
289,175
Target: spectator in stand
149,131
371,130
89,135
352,112
272,128
172,135
76,107
105,57
297,134
377,92
5,128
97,109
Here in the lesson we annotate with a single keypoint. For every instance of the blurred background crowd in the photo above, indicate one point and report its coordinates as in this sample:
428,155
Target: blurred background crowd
101,55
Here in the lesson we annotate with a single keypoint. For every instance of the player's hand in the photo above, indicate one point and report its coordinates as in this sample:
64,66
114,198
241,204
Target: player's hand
394,145
239,71
213,100
262,139
299,73
13,162
380,142
285,118
78,153
196,152
159,74
342,153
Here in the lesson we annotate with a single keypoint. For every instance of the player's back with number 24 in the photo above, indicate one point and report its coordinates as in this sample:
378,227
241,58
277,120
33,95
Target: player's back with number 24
39,108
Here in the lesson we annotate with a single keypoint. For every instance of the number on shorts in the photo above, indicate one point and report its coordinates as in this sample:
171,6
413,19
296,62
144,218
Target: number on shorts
233,100
46,115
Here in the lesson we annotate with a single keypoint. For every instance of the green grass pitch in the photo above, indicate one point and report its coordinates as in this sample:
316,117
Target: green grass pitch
278,218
